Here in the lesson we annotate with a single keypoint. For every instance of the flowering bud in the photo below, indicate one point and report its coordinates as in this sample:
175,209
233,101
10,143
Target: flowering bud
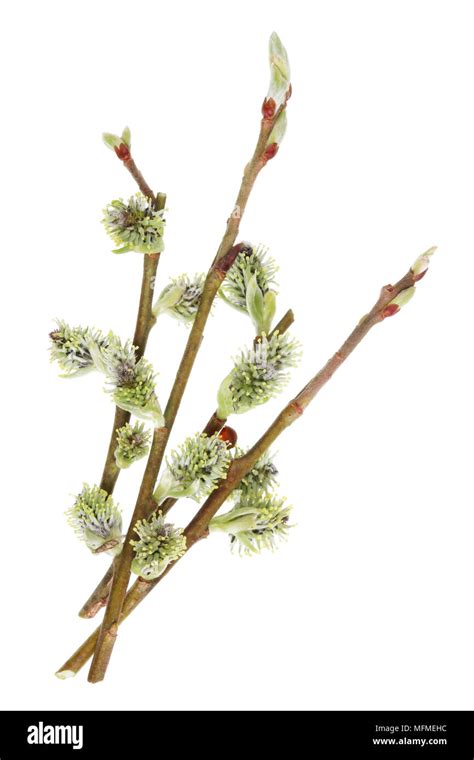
72,348
181,298
256,522
116,360
131,382
96,519
258,375
132,444
261,307
158,544
280,88
137,394
194,468
135,225
78,350
248,287
420,267
261,478
396,303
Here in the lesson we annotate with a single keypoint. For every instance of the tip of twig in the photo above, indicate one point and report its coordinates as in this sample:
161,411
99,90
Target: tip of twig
63,674
93,678
90,610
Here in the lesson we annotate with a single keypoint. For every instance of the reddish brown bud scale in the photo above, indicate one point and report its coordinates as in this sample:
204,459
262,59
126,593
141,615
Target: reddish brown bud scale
229,436
420,276
214,425
106,546
289,93
390,310
297,407
270,152
268,109
226,261
123,152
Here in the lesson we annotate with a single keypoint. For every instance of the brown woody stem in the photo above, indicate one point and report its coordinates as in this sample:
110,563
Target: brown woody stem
198,526
143,326
99,596
224,259
137,593
139,179
284,324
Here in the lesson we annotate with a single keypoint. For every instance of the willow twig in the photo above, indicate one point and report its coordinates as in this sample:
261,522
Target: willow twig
240,467
143,325
142,330
223,260
145,188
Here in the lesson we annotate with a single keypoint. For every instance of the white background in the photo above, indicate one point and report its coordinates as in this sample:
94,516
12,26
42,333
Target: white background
369,604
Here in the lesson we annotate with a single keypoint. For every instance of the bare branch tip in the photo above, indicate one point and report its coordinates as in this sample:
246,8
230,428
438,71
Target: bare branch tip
63,674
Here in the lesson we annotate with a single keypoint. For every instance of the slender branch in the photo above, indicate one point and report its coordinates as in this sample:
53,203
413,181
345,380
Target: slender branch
145,188
213,425
224,259
284,324
251,172
145,319
198,526
98,598
143,326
